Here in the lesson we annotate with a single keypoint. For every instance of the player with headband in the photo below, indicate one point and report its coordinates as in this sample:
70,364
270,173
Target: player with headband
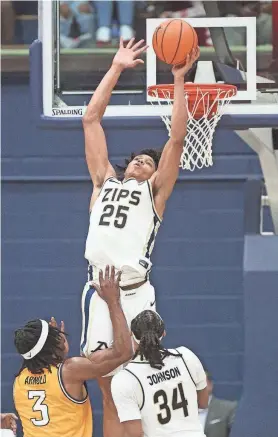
126,211
50,394
160,390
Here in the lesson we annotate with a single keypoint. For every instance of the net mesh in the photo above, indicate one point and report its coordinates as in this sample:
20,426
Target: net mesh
204,112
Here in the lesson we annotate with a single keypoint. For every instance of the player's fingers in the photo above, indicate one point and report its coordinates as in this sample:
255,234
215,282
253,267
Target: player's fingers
194,55
62,326
100,276
96,287
118,277
106,276
138,44
112,274
130,42
137,62
53,322
121,42
141,50
197,53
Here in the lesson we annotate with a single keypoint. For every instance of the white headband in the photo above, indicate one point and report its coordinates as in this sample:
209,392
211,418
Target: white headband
40,343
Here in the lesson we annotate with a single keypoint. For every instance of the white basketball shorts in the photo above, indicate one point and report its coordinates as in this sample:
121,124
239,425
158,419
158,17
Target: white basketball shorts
97,331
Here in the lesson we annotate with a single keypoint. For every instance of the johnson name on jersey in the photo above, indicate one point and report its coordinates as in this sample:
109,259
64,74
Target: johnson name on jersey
122,230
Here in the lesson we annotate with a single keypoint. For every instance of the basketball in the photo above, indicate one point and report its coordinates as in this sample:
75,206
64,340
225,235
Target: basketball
173,40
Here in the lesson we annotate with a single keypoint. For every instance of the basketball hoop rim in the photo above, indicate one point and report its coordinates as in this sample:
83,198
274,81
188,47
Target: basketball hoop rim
215,90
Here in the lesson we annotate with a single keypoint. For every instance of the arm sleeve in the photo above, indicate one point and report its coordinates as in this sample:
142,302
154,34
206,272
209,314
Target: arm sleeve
125,396
195,367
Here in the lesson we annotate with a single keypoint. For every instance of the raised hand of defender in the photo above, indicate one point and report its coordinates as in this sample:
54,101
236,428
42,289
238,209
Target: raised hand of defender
109,285
127,57
181,69
55,324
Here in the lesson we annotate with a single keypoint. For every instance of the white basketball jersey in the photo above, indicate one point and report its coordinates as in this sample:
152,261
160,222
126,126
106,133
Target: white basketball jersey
167,398
123,226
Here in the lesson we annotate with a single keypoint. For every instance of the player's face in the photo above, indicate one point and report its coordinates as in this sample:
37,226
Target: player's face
142,167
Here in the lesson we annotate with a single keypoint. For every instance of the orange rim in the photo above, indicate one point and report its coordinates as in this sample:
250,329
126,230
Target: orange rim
192,89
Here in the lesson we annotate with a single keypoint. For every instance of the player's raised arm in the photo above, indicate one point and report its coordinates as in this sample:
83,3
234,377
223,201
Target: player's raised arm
166,175
95,142
103,362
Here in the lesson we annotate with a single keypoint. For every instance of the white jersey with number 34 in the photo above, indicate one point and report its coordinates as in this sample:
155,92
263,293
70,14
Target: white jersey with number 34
164,400
123,226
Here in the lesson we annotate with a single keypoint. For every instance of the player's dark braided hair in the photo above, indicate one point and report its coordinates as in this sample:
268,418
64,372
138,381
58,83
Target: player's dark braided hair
148,327
153,153
51,353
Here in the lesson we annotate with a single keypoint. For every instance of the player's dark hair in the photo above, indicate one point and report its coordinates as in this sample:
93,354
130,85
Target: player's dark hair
153,153
51,353
148,328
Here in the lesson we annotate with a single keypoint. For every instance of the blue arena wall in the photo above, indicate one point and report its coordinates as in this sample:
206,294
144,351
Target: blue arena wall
198,258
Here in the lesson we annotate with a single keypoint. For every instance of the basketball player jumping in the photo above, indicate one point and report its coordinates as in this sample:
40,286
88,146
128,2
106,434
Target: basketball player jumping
126,214
49,392
159,392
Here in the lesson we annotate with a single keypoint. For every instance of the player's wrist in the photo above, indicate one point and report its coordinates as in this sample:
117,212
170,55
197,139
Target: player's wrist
115,303
117,68
178,79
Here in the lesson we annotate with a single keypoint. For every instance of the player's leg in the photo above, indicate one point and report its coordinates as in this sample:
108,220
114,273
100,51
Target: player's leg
97,331
111,424
140,299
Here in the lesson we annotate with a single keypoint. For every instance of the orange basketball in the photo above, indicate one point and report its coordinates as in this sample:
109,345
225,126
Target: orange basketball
173,40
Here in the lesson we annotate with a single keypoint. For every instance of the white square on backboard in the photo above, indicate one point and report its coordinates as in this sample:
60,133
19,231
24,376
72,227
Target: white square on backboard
247,22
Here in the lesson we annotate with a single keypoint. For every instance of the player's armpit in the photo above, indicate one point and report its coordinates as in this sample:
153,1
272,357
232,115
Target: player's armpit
96,152
133,428
203,397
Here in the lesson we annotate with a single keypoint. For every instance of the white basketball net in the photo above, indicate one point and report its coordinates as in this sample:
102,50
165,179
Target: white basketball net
197,151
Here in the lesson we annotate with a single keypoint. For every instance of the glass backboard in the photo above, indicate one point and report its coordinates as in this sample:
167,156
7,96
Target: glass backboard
238,46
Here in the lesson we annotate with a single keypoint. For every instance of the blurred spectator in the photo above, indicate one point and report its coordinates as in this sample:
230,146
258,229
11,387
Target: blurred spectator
125,12
218,418
82,12
7,22
8,421
188,10
183,10
261,10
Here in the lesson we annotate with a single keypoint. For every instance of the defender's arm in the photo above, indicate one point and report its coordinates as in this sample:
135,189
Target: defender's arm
105,361
168,169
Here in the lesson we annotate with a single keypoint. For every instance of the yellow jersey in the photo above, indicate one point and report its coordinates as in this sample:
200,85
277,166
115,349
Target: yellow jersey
47,410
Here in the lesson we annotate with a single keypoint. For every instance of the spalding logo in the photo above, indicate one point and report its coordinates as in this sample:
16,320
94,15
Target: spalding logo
66,111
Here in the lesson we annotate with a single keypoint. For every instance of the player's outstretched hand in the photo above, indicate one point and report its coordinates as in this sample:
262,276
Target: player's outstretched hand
127,57
109,285
181,69
8,421
55,324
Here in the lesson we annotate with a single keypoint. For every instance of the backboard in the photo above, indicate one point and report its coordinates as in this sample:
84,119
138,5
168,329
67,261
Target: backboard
240,50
